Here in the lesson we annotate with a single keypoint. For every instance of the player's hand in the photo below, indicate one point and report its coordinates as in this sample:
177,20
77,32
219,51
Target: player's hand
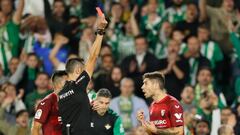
7,101
101,22
132,66
140,116
149,126
20,94
95,105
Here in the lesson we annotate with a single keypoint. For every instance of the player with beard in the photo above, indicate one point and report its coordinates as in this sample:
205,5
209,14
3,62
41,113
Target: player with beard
166,113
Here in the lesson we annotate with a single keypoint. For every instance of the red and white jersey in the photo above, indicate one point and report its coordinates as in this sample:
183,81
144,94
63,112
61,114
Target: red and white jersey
166,113
47,114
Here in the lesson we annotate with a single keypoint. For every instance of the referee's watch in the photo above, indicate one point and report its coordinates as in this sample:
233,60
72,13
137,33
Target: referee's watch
100,32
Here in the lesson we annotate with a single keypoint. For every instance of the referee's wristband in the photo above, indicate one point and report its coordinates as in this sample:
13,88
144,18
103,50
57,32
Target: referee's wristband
100,32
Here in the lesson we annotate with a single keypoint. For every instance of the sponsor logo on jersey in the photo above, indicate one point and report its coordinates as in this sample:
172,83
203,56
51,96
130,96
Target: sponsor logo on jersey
38,114
178,116
64,95
160,122
107,126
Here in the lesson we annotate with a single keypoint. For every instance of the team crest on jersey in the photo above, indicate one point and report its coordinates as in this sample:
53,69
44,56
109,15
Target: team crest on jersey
107,126
162,113
38,114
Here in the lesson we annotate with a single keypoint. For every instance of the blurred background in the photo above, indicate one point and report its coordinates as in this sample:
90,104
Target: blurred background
195,43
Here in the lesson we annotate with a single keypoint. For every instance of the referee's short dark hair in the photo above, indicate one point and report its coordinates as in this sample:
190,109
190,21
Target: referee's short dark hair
57,75
73,63
158,76
103,92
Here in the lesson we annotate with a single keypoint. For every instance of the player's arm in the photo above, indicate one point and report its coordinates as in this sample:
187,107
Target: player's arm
95,50
170,131
59,41
18,13
40,117
118,127
36,128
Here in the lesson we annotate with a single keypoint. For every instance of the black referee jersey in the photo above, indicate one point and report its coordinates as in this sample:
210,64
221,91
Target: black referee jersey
74,106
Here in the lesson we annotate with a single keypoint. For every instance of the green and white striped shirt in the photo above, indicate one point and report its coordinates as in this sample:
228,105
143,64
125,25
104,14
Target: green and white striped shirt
212,52
173,16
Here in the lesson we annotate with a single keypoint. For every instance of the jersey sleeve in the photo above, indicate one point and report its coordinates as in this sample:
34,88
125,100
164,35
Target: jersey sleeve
176,114
118,127
83,79
42,112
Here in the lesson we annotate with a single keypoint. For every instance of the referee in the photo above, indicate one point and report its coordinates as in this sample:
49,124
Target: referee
104,121
74,106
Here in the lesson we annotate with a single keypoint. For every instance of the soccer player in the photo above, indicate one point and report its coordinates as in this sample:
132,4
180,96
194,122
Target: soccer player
104,121
166,113
46,118
74,105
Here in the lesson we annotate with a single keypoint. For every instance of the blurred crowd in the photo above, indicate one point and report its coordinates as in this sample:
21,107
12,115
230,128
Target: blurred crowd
195,43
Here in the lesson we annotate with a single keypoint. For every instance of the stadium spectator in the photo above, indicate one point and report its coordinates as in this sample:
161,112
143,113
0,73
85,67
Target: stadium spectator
172,68
16,105
127,104
202,127
219,19
195,59
134,66
21,125
187,98
41,82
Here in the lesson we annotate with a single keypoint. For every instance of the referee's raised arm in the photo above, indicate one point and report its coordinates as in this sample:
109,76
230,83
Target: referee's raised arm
95,50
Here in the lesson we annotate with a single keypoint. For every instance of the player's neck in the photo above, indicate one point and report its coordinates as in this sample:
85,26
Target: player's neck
126,95
56,91
71,77
159,96
41,90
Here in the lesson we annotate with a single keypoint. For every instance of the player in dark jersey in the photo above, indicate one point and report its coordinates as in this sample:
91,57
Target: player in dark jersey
166,113
104,121
74,105
47,118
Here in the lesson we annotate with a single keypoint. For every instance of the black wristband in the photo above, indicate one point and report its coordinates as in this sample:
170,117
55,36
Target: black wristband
100,32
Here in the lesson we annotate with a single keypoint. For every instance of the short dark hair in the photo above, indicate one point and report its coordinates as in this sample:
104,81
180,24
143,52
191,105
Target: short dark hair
73,63
205,68
203,120
103,92
19,113
42,73
140,36
31,54
204,25
156,76
107,55
57,76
